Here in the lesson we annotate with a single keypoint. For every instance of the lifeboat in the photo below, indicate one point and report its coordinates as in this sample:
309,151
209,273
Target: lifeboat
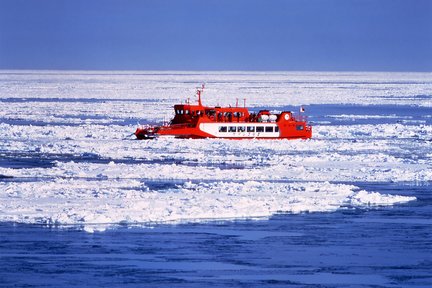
199,121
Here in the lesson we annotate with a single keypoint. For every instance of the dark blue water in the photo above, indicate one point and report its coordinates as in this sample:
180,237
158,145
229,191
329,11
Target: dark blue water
326,114
371,247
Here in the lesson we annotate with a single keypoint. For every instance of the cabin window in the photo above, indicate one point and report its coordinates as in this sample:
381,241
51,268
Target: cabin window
210,112
250,129
241,129
269,129
300,127
187,112
260,129
277,129
222,128
232,129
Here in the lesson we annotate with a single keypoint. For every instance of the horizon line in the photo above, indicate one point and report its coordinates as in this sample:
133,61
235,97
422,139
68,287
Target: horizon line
204,71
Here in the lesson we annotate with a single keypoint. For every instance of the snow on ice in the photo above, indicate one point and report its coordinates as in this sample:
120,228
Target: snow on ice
68,158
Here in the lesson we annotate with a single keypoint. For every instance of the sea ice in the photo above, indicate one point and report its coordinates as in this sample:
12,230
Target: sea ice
68,158
103,203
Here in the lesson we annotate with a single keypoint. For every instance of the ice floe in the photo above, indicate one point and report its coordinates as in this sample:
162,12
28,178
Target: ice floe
67,156
99,204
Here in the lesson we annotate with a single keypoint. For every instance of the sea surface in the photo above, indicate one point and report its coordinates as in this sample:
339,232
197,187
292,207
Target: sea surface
84,204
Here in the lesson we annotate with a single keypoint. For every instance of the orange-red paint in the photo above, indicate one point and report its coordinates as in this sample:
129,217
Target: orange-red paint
199,121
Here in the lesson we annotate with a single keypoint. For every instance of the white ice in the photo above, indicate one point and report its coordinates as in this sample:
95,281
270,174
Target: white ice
94,204
81,114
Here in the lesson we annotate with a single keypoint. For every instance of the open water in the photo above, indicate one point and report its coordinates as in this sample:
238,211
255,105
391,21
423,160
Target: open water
86,206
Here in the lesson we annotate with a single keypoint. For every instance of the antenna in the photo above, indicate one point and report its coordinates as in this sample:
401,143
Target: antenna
236,102
244,102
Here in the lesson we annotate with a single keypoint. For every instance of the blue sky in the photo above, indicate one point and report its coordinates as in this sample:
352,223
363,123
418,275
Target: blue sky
308,35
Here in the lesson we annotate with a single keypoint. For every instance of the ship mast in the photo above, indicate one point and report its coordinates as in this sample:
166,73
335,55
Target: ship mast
199,91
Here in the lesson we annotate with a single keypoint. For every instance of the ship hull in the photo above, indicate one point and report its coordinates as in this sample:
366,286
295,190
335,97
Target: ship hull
296,130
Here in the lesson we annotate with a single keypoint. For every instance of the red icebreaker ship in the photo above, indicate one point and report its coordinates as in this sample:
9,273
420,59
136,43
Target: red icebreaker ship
199,121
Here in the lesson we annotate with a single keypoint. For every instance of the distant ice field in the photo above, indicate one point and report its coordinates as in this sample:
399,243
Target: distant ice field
67,156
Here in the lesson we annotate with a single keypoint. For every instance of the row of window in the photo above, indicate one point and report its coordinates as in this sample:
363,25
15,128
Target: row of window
269,129
210,113
181,112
